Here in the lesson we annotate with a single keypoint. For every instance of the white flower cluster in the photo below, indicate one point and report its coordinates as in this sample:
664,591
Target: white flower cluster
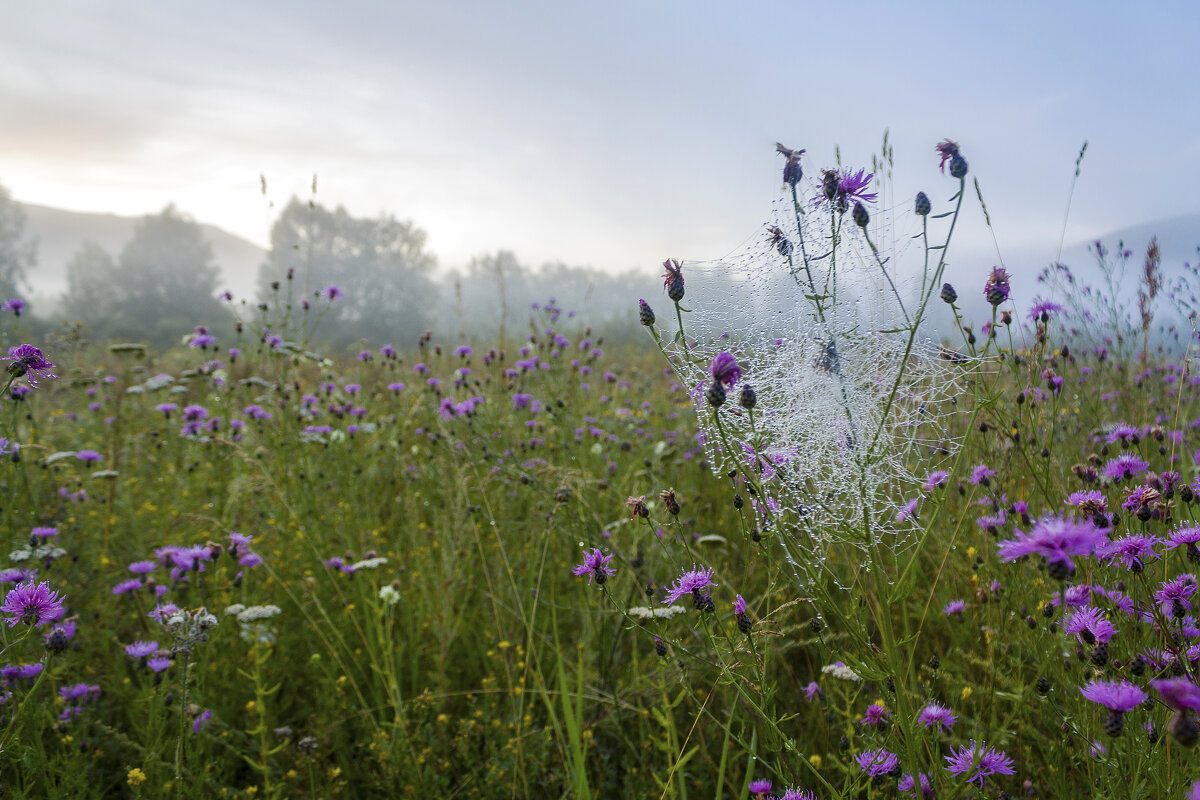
662,612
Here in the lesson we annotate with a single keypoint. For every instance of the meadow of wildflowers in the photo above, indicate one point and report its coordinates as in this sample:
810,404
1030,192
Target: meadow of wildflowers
797,546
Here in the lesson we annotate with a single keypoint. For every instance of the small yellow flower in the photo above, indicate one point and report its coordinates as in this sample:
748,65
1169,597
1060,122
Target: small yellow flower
966,692
815,760
135,777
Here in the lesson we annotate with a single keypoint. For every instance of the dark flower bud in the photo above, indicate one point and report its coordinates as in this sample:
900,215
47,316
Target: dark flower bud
949,296
645,313
715,394
860,215
792,171
660,647
57,641
744,624
748,398
815,624
958,166
829,185
738,502
923,204
1043,685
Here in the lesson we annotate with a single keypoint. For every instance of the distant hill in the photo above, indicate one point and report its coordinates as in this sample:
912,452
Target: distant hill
60,234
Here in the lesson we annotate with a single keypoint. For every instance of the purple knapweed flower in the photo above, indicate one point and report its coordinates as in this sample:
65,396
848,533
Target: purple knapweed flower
978,762
78,691
1178,693
954,607
981,475
595,565
33,604
331,292
1090,626
847,188
933,715
201,721
759,787
29,362
996,288
44,532
725,369
908,785
1120,696
812,690
1174,597
877,762
875,716
907,509
141,649
797,794
158,664
131,585
1123,466
689,582
1090,502
936,478
1055,539
1044,309
1132,551
15,305
739,607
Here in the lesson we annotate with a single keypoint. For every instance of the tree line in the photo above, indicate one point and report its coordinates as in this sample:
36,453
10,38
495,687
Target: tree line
165,281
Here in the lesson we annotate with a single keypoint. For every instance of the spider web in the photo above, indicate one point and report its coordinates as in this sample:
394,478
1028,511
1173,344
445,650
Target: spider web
849,406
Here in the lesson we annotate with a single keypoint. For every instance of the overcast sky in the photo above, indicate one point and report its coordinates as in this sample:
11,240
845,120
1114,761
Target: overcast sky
614,134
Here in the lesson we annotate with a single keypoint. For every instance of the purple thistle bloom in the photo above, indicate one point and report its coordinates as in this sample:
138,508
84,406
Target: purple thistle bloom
739,607
33,604
908,785
907,510
981,761
44,532
996,288
1091,502
812,690
798,794
1123,466
131,585
954,607
1056,539
689,582
725,369
158,664
1132,551
1178,693
936,479
15,305
1122,433
89,456
1120,696
1176,592
140,649
934,714
760,786
981,475
1194,792
877,762
1187,538
1089,626
1044,307
875,716
850,187
78,691
595,565
29,362
332,292
201,721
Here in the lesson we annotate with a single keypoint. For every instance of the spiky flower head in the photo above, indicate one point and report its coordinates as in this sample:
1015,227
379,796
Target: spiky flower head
28,361
996,288
936,715
595,565
32,604
645,313
979,761
877,762
695,580
673,279
725,369
1121,696
922,205
1056,539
